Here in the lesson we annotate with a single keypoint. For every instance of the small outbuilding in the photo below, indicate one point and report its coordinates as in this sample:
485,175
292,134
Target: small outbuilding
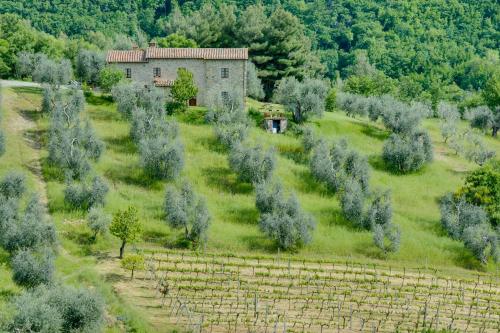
275,122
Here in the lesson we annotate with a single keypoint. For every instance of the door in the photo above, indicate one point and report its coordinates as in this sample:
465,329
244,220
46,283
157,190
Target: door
276,126
192,102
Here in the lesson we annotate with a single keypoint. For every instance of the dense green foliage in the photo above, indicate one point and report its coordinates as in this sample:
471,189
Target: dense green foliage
428,46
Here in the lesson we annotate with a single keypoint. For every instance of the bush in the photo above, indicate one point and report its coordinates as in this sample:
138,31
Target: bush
252,164
331,100
482,188
287,224
84,196
185,210
98,222
407,154
184,87
162,157
109,77
31,269
13,185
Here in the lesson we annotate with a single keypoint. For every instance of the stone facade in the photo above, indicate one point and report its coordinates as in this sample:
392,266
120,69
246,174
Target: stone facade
215,71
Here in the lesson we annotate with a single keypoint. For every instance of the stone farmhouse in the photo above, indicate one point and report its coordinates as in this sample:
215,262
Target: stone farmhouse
215,70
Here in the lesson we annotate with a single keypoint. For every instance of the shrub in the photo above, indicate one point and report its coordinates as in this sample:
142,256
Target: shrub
252,164
185,210
98,222
84,196
482,188
406,154
13,185
331,100
31,269
287,224
161,157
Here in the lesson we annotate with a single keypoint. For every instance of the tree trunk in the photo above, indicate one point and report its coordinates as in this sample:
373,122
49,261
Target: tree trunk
122,249
494,131
132,276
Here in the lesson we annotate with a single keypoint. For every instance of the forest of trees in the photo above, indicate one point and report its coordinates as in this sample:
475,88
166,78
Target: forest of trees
434,49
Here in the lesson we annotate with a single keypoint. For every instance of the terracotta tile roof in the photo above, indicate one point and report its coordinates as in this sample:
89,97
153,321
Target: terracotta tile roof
177,53
125,56
163,82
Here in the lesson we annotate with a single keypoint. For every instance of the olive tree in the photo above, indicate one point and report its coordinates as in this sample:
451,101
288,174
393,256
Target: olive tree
481,118
125,96
228,116
126,227
303,99
449,117
475,149
49,71
98,222
161,157
268,195
13,185
89,65
309,140
287,224
32,268
252,164
405,154
86,194
186,210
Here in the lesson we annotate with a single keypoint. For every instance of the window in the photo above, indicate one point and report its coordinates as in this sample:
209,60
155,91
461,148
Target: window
128,73
157,72
225,96
224,73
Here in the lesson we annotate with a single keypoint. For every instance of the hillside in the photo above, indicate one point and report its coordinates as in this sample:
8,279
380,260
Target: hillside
234,233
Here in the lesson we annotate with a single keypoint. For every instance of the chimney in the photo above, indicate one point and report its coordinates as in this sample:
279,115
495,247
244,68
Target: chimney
152,44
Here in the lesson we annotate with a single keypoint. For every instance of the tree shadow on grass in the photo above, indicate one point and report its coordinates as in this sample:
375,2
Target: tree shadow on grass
133,175
293,153
260,243
93,99
222,179
156,236
243,216
106,116
374,132
122,144
371,251
334,216
308,184
464,258
32,114
114,277
212,144
193,116
28,90
51,172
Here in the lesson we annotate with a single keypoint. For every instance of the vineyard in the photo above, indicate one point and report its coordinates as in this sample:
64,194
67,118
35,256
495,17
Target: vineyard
227,293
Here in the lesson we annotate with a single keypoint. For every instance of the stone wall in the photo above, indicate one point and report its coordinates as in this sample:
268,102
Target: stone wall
206,73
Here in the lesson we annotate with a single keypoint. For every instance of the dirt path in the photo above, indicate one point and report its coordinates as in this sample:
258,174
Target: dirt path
22,125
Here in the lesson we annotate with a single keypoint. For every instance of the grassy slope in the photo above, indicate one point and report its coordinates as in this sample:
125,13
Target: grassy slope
19,111
231,203
234,224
